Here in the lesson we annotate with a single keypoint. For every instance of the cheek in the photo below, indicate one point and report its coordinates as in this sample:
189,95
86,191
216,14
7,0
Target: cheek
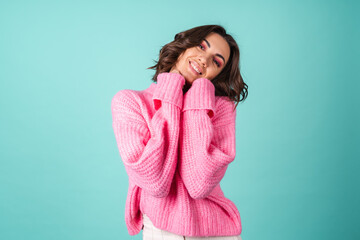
182,60
214,73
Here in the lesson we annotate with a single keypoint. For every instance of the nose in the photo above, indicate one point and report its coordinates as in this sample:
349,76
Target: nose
203,60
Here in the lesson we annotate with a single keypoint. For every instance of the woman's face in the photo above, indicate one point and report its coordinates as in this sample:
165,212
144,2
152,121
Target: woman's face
205,60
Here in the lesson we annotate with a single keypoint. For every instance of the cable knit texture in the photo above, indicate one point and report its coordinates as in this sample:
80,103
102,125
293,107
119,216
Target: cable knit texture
176,149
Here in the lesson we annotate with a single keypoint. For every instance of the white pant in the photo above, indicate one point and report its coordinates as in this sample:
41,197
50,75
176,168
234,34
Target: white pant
150,232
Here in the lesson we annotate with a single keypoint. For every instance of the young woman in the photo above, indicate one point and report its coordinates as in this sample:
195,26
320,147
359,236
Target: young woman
177,138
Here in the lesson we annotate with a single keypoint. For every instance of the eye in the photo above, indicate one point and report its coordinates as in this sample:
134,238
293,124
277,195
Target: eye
216,62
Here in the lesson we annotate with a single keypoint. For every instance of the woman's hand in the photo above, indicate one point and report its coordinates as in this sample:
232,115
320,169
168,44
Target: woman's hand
175,70
186,85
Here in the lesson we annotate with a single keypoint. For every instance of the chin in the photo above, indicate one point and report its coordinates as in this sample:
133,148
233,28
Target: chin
187,79
188,82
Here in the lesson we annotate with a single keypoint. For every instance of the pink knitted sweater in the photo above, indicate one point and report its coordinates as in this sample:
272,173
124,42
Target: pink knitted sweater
176,148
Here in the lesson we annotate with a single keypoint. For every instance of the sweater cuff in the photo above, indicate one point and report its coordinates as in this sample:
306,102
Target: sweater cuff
201,95
169,89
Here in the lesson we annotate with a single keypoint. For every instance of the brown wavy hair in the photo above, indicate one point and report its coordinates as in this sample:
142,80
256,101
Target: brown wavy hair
228,82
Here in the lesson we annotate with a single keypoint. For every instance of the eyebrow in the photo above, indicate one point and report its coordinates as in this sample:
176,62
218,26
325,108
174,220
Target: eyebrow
217,54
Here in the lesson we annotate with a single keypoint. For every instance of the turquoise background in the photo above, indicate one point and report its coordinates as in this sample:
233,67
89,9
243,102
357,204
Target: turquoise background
295,175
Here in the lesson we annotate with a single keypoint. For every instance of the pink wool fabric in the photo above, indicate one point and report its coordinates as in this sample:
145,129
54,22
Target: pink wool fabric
176,149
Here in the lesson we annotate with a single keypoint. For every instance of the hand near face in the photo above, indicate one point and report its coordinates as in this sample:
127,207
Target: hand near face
187,85
175,70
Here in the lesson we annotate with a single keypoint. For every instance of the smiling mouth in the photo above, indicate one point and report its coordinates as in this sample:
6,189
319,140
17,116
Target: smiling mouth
194,68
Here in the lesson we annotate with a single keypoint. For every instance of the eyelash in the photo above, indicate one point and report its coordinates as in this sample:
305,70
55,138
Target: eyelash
216,62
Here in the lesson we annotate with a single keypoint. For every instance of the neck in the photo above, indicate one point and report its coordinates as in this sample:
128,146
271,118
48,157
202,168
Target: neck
186,87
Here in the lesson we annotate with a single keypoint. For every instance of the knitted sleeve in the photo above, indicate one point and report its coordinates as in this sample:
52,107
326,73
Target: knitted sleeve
149,149
207,138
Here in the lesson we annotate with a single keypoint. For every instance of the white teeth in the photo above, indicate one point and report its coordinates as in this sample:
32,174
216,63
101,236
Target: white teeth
195,67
